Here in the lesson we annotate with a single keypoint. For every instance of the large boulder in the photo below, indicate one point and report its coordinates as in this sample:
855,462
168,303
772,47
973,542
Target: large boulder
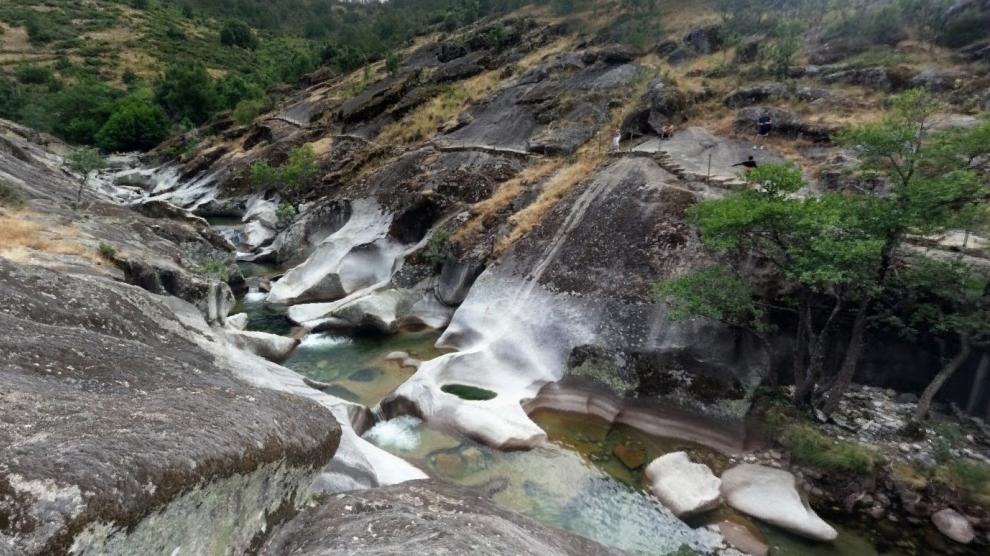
771,495
755,94
880,78
953,525
685,488
705,40
122,433
785,123
420,518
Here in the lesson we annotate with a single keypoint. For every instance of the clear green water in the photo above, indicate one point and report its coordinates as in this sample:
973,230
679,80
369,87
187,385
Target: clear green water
578,482
263,317
552,484
356,365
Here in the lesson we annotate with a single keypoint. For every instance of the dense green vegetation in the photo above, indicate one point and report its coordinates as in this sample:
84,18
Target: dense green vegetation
124,74
844,257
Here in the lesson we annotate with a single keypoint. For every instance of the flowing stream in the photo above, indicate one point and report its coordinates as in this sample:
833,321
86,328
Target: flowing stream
575,482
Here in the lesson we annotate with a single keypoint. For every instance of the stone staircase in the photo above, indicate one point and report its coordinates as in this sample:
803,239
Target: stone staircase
669,164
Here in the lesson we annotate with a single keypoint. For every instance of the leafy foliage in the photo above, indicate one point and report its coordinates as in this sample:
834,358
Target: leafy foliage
84,160
296,173
187,92
137,123
438,249
713,293
237,33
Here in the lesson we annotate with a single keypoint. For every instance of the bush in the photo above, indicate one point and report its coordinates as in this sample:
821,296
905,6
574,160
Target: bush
438,249
137,123
84,160
811,447
964,29
971,478
107,251
237,33
187,92
297,172
284,215
234,88
31,74
77,113
10,196
247,110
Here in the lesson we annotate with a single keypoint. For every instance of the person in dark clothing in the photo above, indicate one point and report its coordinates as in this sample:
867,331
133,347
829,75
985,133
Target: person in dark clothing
764,125
749,164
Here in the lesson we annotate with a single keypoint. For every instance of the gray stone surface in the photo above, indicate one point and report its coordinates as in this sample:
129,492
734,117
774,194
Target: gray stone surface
420,518
771,495
112,411
954,525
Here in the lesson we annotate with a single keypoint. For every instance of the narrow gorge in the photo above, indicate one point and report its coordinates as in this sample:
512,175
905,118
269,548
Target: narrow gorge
431,305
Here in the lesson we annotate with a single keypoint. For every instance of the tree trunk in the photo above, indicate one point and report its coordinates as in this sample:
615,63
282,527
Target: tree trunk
797,357
857,341
925,401
978,383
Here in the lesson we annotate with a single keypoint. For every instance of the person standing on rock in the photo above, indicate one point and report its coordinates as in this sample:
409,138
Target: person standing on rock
748,165
616,139
763,127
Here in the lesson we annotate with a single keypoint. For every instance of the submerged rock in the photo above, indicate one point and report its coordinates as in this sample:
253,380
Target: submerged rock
684,487
420,518
771,495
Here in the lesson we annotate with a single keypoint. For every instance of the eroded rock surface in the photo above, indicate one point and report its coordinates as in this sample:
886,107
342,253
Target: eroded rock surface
406,519
112,411
771,495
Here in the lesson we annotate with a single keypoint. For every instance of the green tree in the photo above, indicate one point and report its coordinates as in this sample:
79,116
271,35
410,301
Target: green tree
82,161
76,113
237,33
293,176
948,300
392,63
930,187
820,250
234,88
187,91
137,123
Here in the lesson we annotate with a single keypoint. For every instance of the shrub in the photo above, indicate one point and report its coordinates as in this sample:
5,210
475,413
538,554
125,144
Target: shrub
234,88
187,91
296,173
10,196
107,251
237,33
811,447
137,123
964,29
84,160
77,113
438,249
31,74
284,215
247,110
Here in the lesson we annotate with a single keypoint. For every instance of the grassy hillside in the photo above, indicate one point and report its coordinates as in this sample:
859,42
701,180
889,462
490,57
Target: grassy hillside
67,67
127,74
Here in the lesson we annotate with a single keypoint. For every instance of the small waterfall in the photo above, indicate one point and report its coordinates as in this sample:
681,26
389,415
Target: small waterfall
378,413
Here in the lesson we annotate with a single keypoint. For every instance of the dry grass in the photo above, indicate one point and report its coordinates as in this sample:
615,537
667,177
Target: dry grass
584,162
438,112
506,193
21,239
442,110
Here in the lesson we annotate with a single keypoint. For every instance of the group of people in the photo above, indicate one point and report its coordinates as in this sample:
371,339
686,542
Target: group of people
666,132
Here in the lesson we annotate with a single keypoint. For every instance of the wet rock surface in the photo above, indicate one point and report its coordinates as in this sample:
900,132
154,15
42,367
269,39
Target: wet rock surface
407,518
